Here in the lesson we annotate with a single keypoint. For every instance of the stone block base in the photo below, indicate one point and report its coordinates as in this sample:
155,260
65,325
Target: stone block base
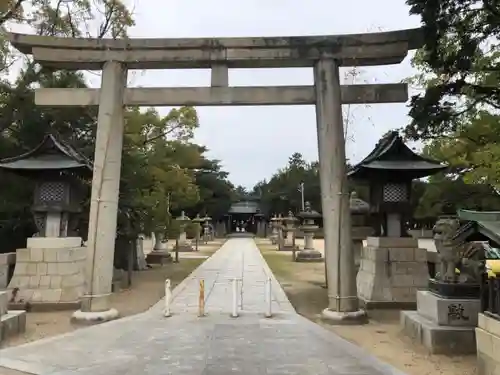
448,311
45,306
488,345
436,338
309,256
12,322
387,305
48,275
289,248
391,271
344,318
185,248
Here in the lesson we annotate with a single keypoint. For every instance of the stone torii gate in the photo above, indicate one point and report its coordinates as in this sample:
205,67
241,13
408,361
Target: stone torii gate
324,53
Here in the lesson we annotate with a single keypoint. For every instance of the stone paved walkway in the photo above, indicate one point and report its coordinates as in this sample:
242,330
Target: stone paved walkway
216,344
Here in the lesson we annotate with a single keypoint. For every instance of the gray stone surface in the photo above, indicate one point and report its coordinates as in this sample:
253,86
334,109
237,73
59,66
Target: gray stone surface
260,52
4,302
448,311
438,339
216,344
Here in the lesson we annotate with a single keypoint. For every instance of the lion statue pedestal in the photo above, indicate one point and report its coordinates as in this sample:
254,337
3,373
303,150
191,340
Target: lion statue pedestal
447,313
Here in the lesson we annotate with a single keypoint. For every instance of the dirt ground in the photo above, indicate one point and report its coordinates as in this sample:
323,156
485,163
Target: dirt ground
304,285
148,287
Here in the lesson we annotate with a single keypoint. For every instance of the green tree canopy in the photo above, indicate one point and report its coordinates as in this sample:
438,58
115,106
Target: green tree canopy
460,64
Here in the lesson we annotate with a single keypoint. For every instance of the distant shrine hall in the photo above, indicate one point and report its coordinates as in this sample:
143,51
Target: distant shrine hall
244,216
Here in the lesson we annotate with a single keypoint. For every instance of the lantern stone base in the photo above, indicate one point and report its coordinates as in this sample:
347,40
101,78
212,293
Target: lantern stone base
443,325
344,318
488,345
185,248
311,256
49,271
12,322
158,257
392,269
289,247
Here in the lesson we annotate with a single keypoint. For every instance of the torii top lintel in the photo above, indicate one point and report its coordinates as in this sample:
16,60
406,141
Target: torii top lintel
263,52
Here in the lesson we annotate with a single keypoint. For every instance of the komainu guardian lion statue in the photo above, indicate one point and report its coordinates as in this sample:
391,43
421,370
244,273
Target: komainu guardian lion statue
454,253
448,252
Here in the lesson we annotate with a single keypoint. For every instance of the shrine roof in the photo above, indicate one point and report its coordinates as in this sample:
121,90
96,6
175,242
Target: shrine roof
244,207
50,154
485,222
392,154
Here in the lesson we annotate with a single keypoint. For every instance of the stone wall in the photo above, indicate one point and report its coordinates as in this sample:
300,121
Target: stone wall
488,345
7,260
48,275
391,271
11,322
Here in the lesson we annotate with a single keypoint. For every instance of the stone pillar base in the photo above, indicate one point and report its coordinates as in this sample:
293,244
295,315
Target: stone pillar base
158,257
289,248
90,317
309,256
392,270
50,271
344,318
488,344
442,325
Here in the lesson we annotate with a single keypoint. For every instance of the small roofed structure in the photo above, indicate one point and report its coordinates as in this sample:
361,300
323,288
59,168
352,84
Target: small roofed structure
481,226
55,166
244,216
389,170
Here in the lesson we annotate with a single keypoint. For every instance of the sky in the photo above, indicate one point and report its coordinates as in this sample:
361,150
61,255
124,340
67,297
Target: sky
253,142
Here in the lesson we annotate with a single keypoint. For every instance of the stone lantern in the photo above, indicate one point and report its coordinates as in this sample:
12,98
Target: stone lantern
159,253
289,232
183,244
57,170
389,170
274,232
279,226
361,228
308,227
207,232
261,224
197,222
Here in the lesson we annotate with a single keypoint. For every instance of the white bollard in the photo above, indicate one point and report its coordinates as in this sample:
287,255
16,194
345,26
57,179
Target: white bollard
234,313
168,298
241,295
269,299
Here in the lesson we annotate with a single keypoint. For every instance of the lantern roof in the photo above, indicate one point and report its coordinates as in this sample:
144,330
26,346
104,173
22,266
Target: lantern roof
392,158
50,155
308,212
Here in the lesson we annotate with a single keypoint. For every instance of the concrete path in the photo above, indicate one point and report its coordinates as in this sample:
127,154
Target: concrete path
216,344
